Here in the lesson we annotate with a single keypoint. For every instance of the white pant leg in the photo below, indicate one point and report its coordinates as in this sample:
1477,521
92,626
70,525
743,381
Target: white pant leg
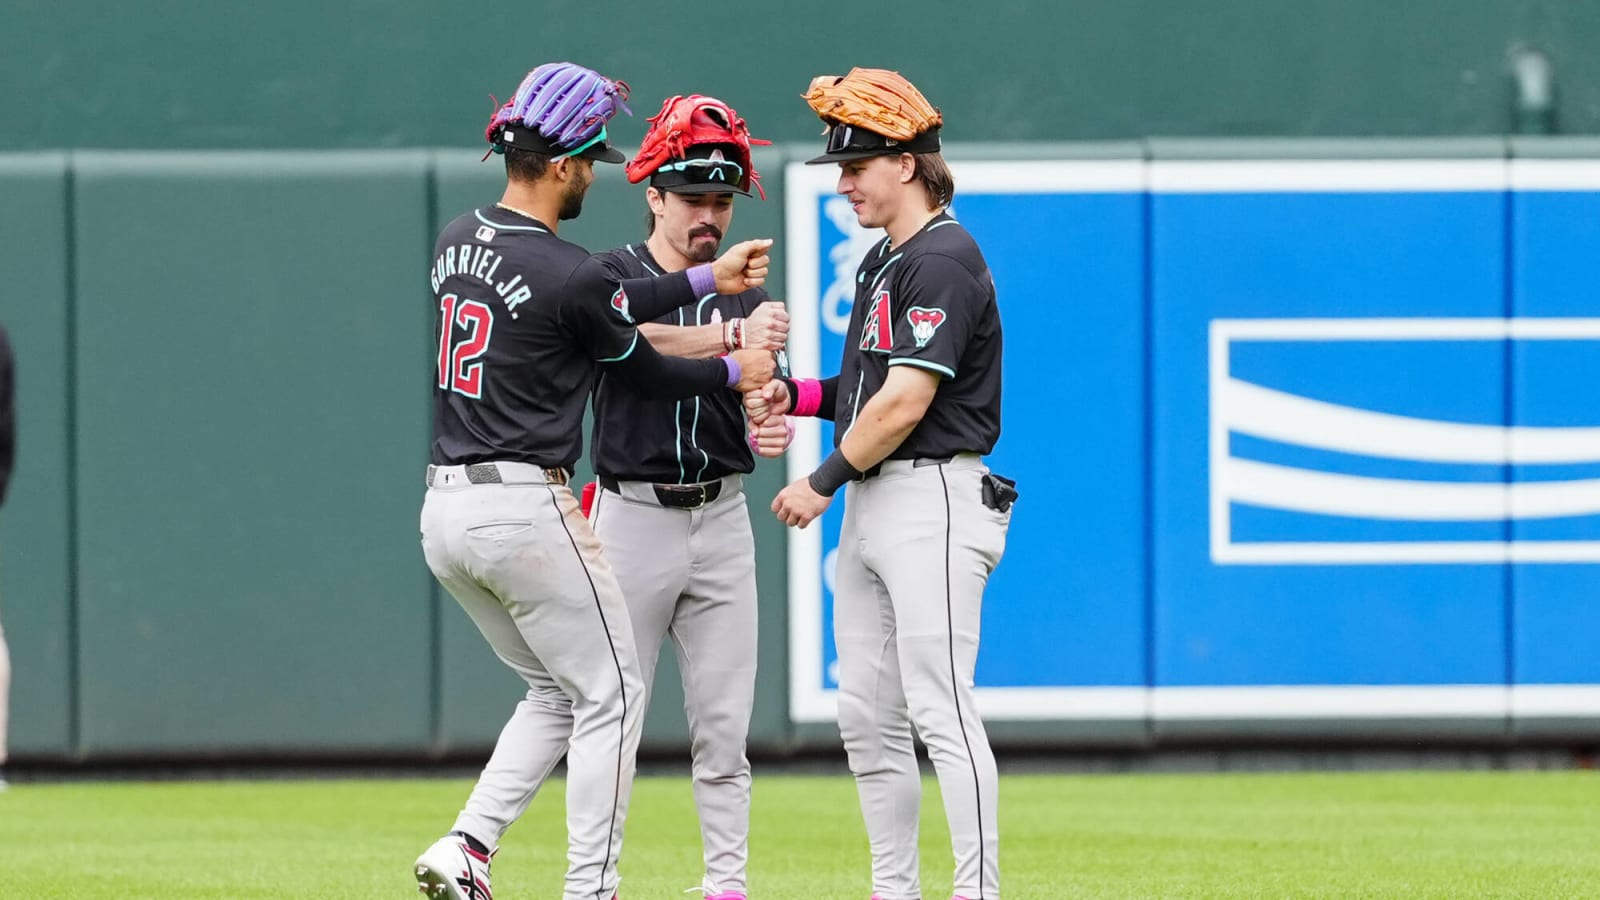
530,549
873,718
934,544
716,631
648,549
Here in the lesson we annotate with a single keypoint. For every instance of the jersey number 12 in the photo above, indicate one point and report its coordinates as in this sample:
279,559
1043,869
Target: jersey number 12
460,370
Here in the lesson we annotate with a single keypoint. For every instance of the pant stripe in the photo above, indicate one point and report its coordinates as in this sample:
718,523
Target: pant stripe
955,686
622,691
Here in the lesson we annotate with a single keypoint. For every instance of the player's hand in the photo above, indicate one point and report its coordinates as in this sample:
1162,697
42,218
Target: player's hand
755,368
742,267
798,504
768,327
771,400
772,437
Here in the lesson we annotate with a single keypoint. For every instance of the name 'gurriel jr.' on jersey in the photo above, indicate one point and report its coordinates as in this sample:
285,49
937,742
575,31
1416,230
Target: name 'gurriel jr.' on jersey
480,262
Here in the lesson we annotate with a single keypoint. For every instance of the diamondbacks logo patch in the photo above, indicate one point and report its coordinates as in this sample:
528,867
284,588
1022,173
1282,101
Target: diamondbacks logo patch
876,333
619,302
924,322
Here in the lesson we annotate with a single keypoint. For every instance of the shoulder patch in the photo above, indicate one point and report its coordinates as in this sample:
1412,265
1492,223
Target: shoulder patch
485,233
619,302
924,322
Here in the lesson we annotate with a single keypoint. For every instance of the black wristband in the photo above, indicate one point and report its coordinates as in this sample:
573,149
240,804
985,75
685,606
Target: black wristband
832,474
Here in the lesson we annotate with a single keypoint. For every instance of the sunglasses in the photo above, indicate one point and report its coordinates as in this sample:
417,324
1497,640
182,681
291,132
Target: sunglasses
842,137
706,171
597,139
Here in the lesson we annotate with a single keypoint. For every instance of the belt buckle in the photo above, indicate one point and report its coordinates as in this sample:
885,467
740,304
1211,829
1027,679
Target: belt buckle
684,490
556,476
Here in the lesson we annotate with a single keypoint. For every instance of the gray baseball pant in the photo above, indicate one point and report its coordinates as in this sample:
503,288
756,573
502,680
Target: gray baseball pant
689,574
524,564
915,551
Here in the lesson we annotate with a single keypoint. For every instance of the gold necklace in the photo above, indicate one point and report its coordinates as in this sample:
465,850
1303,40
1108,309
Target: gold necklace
521,212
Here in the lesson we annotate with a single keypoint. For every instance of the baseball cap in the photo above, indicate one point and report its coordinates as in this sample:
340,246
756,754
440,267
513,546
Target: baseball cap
847,142
703,169
520,137
560,109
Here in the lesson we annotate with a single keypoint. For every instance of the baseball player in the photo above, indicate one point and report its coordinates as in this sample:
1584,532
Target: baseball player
915,407
517,352
671,510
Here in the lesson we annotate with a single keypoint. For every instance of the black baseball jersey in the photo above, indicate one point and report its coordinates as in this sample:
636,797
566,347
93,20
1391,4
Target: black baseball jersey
670,441
514,356
928,303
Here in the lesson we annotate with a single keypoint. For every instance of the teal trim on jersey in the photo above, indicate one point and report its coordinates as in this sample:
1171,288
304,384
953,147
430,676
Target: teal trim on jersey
694,431
855,400
923,364
534,228
892,260
677,419
942,224
694,427
628,352
635,254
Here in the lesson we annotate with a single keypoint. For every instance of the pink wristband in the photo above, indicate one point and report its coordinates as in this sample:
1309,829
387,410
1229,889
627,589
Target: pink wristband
810,397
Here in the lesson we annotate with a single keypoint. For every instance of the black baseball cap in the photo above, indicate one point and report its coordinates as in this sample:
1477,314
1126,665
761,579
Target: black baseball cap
517,136
704,169
847,142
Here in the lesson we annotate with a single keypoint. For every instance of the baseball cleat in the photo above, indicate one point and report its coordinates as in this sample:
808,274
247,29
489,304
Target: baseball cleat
452,870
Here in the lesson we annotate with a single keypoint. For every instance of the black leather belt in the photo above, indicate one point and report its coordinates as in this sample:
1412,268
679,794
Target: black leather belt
489,473
676,496
876,470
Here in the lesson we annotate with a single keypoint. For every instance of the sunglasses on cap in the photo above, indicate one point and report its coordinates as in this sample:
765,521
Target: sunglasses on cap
848,142
706,171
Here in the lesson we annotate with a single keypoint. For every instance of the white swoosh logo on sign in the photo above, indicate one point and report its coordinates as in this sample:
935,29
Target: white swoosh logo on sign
1301,421
1328,493
1292,419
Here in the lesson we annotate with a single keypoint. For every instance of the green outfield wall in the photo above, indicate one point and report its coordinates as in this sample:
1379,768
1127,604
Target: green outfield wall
186,74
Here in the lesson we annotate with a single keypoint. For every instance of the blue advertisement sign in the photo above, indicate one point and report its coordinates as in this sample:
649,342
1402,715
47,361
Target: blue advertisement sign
1296,439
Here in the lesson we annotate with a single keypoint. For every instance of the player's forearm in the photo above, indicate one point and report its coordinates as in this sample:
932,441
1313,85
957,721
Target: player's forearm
881,426
690,341
657,377
652,298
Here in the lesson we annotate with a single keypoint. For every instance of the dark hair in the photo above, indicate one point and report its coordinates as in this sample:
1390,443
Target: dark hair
935,178
525,165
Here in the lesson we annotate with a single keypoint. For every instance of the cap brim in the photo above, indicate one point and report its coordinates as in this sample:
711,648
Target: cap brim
839,156
701,188
602,153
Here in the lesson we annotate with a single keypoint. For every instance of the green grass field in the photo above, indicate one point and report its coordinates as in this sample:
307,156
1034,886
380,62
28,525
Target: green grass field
1486,834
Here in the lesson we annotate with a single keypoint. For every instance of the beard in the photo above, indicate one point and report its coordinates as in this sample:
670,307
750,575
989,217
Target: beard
572,202
701,251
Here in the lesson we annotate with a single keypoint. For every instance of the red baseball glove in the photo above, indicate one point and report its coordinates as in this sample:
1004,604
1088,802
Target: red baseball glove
684,122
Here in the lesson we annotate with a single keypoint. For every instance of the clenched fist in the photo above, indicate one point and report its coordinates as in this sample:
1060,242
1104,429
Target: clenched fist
772,437
742,267
771,400
768,327
755,368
